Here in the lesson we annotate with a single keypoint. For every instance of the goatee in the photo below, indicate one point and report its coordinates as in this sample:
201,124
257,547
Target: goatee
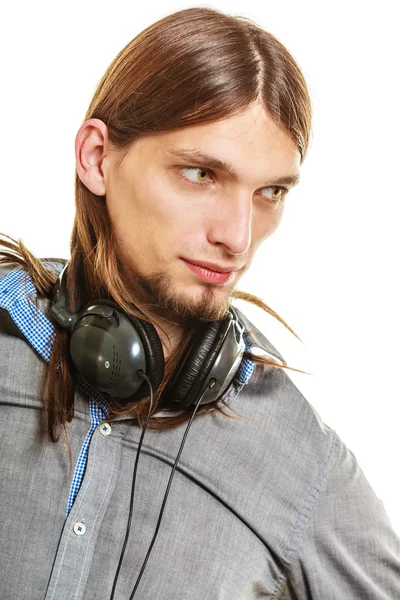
156,294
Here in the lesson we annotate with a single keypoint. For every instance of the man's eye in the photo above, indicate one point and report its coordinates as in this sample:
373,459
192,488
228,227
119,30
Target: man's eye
282,193
203,174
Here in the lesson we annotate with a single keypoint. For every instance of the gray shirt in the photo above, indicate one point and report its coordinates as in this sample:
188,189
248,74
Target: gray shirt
275,506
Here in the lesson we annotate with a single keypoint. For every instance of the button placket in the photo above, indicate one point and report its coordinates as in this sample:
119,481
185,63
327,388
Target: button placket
84,520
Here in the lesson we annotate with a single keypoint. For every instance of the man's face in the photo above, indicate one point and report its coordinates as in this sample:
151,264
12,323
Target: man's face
166,210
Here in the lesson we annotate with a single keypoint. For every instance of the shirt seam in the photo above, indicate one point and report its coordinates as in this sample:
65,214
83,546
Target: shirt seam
304,514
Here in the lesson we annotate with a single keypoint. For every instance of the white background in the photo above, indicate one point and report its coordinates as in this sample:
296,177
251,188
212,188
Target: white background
330,270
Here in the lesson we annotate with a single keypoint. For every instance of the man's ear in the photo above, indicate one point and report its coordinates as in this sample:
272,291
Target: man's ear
91,145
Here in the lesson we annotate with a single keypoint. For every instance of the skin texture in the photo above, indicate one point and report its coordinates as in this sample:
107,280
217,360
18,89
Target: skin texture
160,216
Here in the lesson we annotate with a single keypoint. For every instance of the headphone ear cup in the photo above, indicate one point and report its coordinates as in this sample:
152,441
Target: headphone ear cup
123,336
154,354
203,353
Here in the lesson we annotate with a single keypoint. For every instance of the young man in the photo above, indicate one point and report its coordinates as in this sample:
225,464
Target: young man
168,221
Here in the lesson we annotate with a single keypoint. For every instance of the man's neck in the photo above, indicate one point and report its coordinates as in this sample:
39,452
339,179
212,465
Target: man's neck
170,333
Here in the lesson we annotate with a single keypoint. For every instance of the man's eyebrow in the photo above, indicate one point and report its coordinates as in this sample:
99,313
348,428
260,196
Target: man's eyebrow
197,156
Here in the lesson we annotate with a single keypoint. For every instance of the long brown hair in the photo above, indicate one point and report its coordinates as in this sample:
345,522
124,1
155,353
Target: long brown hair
195,66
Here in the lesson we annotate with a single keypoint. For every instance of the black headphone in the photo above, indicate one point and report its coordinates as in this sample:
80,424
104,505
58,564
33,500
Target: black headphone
108,347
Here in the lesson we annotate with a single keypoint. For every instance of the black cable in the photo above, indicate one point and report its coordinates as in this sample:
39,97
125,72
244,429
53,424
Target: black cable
211,384
143,376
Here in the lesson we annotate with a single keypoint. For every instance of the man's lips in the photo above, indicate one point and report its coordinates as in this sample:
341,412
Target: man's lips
214,266
209,275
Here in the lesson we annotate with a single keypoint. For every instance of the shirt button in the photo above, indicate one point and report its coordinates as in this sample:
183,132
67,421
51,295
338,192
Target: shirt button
79,528
105,429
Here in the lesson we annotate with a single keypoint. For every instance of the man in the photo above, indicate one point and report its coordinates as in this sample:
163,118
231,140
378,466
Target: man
272,506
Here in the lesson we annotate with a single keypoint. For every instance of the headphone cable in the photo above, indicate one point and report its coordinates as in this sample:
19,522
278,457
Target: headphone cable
144,376
128,527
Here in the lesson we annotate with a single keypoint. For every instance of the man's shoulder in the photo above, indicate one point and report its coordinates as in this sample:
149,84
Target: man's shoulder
276,392
288,425
289,420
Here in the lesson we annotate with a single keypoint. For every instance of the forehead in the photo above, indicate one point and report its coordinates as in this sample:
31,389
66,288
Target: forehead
247,143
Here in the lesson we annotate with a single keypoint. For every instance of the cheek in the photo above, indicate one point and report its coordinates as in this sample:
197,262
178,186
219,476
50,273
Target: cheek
264,223
158,200
141,207
119,202
276,218
171,210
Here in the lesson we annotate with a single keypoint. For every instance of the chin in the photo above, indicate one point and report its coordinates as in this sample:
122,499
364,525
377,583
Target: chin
202,304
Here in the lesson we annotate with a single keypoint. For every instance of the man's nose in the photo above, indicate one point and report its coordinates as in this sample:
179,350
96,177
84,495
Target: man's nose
230,223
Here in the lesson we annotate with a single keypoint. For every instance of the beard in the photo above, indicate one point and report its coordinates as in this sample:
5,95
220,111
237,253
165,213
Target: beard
155,293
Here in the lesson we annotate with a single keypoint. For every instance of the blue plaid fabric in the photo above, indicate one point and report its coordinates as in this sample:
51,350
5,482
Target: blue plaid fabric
15,289
97,415
246,367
